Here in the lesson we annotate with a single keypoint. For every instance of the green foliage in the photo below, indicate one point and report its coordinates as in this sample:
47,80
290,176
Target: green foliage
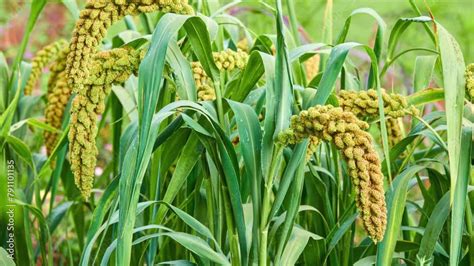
189,182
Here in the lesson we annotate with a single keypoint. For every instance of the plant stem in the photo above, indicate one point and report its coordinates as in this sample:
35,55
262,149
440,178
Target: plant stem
266,204
231,232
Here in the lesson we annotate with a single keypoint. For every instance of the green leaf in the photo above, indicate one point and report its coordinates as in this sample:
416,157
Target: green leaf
426,96
396,199
400,27
460,196
22,150
186,87
3,83
433,228
45,235
189,157
71,5
296,244
294,201
336,235
149,89
250,136
424,66
283,78
188,241
193,223
367,11
288,176
5,258
453,82
34,122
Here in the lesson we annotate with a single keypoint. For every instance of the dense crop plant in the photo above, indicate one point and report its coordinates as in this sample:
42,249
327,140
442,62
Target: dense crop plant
199,132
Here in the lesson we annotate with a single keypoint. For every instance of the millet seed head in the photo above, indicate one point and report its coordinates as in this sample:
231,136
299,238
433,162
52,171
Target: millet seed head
364,104
348,134
91,28
42,58
227,60
107,68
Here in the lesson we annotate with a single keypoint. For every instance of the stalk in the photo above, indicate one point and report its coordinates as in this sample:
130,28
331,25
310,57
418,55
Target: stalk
266,205
232,234
219,89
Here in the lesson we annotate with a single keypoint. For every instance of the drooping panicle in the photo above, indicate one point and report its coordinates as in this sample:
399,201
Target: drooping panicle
42,58
107,68
348,134
96,18
394,131
57,98
364,104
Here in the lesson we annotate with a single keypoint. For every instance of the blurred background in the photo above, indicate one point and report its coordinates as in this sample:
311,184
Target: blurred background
456,15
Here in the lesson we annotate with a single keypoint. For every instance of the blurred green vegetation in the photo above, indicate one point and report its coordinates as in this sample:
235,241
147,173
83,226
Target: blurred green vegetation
456,16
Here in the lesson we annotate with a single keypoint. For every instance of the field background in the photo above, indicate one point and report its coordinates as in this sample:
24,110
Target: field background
456,16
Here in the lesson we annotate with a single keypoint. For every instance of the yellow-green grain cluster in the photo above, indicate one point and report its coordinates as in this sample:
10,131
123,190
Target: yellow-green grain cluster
107,68
57,98
364,104
347,132
312,146
470,81
204,86
42,58
95,19
312,67
394,132
227,60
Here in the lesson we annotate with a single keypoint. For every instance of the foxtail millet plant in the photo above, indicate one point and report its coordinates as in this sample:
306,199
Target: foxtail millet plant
211,179
91,28
347,133
227,60
42,58
57,96
107,68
